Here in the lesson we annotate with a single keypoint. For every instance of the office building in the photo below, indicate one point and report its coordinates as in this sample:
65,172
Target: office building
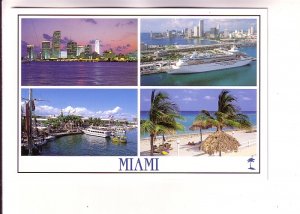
201,28
71,49
80,49
97,46
46,50
56,44
196,31
30,52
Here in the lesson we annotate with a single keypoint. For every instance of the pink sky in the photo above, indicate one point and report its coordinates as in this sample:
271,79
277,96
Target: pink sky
117,34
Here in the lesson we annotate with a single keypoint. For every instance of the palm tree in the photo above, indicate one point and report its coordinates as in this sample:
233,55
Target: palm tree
227,115
162,118
201,122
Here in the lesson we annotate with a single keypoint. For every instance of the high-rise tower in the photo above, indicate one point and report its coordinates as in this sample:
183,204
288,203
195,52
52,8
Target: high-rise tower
56,44
71,49
30,52
46,50
97,46
201,28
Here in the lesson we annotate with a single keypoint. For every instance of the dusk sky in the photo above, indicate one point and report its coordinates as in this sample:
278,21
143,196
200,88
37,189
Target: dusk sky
161,25
197,100
120,103
117,34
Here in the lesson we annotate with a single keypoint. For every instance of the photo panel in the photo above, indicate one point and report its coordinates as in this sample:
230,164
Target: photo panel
199,51
78,51
76,123
218,127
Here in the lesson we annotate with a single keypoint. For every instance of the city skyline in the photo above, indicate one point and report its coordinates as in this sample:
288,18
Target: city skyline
161,25
100,103
197,100
120,35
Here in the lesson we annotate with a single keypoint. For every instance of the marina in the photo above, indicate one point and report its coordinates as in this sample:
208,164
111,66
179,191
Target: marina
71,134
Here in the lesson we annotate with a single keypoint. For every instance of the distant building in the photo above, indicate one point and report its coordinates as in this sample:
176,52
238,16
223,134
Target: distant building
80,49
251,30
226,33
30,52
87,51
143,46
201,28
71,49
63,54
56,44
213,33
97,46
190,33
46,50
196,31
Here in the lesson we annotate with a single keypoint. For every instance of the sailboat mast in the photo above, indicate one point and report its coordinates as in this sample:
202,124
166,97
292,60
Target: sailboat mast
30,123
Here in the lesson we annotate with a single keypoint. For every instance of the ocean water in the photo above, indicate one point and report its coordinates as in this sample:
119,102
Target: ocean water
189,117
86,145
79,74
145,38
240,76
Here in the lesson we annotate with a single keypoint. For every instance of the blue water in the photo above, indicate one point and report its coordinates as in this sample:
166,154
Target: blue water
79,74
240,76
86,145
189,117
145,38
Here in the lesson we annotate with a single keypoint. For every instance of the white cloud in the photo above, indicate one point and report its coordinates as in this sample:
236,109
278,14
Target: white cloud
146,99
189,99
113,111
246,98
46,110
82,111
209,98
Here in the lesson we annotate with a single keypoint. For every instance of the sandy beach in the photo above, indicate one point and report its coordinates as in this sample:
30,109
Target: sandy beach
246,139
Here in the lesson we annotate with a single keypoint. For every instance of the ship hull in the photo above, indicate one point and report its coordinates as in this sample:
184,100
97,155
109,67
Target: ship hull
95,133
200,68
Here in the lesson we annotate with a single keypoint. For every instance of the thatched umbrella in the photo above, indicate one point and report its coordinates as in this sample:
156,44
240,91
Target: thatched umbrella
200,124
219,142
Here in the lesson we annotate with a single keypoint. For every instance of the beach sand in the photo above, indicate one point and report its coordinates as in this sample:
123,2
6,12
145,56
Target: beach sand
247,141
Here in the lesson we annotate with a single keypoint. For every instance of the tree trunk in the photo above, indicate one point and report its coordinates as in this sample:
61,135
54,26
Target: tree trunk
151,144
200,135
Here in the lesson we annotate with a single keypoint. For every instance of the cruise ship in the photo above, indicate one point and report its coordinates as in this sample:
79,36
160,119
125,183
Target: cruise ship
221,59
97,131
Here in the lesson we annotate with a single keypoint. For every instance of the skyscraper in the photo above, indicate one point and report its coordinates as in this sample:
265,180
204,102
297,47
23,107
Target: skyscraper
30,52
196,31
71,49
80,49
56,44
97,46
201,28
46,50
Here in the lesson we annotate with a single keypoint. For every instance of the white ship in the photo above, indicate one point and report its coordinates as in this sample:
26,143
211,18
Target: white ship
97,131
222,59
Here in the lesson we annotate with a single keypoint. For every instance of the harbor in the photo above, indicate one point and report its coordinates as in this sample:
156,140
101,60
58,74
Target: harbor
72,134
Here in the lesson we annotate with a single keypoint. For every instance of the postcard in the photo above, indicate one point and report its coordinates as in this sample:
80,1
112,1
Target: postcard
138,91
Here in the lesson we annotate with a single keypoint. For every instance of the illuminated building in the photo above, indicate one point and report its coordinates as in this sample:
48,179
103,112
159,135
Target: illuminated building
30,52
71,49
46,50
56,44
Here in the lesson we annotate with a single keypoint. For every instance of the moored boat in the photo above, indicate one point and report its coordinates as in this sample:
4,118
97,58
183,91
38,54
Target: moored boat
97,131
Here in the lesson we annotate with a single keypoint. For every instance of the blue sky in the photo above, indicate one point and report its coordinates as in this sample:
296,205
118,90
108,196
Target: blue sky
160,25
120,103
199,99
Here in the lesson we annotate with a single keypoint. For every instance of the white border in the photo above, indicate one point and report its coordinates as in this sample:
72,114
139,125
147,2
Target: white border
95,164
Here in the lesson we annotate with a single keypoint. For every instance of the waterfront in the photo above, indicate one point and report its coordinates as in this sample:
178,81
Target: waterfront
79,74
86,145
145,38
245,76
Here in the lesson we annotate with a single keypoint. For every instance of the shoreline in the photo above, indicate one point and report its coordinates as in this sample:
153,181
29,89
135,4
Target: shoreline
248,141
